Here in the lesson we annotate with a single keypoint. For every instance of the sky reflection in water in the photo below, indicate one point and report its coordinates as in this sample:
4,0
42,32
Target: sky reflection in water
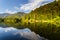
18,34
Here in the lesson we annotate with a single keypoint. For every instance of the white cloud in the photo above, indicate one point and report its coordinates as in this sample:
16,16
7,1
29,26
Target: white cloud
32,5
9,11
16,7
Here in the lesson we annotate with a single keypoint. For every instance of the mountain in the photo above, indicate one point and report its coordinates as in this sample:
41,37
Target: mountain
16,15
51,8
49,11
20,13
46,19
14,18
46,12
4,15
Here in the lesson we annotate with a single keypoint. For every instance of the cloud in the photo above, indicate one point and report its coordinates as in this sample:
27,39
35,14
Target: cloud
18,34
31,5
9,11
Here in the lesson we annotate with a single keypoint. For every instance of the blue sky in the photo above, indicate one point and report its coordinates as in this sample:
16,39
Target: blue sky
12,6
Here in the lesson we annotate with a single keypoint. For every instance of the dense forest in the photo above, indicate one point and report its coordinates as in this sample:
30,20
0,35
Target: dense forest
45,20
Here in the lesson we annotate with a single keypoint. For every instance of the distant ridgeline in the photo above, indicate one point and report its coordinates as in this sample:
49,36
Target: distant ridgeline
14,18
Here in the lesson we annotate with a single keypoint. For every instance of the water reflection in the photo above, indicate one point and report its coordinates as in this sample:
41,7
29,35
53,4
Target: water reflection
18,34
49,31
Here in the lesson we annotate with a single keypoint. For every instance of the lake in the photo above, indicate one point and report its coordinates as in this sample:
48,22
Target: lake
11,33
48,31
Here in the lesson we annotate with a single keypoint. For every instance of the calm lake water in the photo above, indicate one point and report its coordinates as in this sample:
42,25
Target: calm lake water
49,31
10,33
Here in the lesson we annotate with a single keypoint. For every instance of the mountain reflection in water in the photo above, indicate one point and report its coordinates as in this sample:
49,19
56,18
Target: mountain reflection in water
18,34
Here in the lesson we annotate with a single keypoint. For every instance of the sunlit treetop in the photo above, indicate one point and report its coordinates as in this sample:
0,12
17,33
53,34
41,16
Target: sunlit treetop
56,0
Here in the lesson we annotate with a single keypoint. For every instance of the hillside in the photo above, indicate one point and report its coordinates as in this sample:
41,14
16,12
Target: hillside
2,15
48,13
45,20
52,9
14,17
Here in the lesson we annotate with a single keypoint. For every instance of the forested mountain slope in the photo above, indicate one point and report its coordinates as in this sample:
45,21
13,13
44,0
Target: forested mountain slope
48,13
46,20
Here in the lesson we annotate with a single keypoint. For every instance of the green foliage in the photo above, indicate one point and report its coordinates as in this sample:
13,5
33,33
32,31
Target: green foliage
45,20
1,20
14,17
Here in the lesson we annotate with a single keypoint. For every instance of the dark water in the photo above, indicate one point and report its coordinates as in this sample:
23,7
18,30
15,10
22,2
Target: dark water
49,31
11,33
